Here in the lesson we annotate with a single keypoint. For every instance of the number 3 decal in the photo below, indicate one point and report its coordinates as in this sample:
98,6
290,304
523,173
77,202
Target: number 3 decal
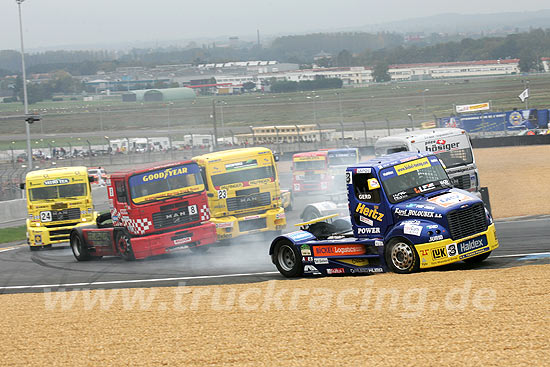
222,194
348,177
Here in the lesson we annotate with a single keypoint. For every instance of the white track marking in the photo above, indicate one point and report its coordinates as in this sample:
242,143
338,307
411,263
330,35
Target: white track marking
512,220
8,249
69,285
522,255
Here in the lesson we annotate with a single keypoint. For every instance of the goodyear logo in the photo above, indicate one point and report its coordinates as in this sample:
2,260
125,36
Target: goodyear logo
169,172
367,212
412,166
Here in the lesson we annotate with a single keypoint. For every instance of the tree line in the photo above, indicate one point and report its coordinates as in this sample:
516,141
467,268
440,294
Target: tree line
346,49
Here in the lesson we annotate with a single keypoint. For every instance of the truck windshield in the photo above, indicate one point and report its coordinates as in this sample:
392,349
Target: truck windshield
57,192
165,183
244,175
413,178
457,157
309,165
342,159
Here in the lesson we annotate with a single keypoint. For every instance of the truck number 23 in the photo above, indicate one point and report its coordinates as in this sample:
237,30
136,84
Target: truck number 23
222,194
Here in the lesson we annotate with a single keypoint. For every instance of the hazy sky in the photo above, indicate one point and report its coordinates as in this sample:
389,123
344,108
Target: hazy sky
62,22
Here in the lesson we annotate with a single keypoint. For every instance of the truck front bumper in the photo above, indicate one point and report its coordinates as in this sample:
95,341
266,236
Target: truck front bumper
448,251
45,236
163,243
232,226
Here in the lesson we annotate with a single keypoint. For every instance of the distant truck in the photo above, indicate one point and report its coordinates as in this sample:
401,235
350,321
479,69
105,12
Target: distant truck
58,199
451,145
244,196
310,172
335,198
156,209
338,161
404,215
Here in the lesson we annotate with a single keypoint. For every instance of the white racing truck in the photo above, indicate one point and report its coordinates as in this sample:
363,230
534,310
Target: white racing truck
452,146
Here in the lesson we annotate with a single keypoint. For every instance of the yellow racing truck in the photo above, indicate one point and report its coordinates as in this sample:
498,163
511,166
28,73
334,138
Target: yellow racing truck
58,199
243,191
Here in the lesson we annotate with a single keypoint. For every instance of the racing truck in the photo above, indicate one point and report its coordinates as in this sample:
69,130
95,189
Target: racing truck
58,199
156,209
310,172
244,196
335,200
451,145
404,216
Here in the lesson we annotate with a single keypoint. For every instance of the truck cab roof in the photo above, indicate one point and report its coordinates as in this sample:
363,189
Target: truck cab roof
389,160
146,167
425,134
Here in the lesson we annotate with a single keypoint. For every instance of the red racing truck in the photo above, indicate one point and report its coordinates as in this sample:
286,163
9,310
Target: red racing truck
310,172
156,209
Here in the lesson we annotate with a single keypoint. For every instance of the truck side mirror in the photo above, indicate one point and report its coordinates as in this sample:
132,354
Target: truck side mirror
276,158
22,186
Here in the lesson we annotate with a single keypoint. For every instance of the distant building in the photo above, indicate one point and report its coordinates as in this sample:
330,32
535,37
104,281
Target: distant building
285,134
453,69
159,95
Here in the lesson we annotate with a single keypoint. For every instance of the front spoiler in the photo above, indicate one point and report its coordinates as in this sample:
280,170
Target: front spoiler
441,252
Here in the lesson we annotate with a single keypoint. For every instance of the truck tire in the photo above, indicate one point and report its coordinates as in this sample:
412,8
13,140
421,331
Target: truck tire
123,246
287,259
310,213
401,256
477,259
80,250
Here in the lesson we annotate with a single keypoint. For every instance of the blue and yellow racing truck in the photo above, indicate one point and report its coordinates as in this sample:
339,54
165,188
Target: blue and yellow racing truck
405,216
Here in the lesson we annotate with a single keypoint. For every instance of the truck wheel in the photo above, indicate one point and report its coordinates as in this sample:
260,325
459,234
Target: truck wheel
477,259
310,214
287,259
401,256
80,251
124,246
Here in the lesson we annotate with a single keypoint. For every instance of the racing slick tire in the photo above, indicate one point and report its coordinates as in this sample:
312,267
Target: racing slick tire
123,246
80,251
477,259
287,259
310,213
401,256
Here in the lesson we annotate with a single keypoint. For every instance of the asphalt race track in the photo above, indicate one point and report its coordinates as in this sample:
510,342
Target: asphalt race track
523,241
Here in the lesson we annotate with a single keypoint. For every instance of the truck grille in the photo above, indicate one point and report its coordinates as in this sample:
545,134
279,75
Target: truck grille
170,218
312,177
60,234
467,222
462,182
249,225
248,201
65,214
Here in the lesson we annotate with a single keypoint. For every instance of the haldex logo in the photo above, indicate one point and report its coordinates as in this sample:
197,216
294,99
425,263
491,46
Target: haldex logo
470,245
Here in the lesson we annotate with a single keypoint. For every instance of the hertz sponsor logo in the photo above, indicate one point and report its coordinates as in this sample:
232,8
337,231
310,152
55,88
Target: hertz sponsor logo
367,212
